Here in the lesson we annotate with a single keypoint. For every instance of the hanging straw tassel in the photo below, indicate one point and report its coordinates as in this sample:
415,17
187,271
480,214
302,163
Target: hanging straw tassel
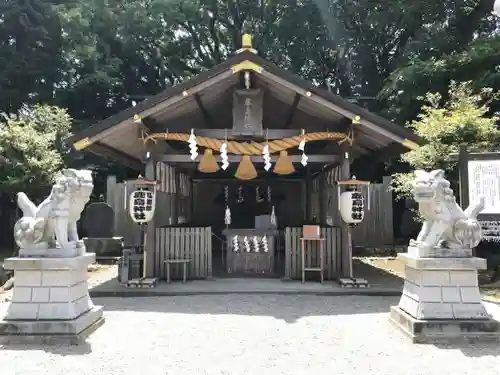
284,164
246,169
208,164
273,217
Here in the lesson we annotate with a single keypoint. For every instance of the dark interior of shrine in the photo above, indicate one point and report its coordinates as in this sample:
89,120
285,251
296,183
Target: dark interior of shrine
251,205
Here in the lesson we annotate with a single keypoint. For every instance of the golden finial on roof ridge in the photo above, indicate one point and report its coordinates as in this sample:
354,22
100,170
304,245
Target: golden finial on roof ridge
246,43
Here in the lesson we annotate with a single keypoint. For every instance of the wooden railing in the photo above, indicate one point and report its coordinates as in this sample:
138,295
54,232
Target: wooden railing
184,243
332,245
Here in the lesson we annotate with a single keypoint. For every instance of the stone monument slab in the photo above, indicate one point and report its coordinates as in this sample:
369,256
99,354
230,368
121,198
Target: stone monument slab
99,219
99,225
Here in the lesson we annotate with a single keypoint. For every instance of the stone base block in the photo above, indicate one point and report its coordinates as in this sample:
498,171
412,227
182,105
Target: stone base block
42,250
445,330
51,332
104,246
438,252
442,288
49,288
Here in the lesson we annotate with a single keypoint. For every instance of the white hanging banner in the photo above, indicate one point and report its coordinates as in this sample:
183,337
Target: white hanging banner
273,217
227,216
193,147
265,244
247,244
227,213
235,244
255,241
223,156
302,147
267,158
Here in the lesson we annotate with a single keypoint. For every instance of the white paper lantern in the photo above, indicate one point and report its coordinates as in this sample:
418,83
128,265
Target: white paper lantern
351,207
142,205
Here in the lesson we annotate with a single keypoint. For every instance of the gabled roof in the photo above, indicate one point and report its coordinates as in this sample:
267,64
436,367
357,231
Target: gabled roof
392,134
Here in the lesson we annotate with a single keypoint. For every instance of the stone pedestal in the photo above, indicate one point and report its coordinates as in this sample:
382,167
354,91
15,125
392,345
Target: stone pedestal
441,300
50,300
438,252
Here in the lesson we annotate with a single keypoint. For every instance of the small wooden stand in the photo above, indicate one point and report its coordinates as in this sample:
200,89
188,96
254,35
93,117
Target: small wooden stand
307,267
184,263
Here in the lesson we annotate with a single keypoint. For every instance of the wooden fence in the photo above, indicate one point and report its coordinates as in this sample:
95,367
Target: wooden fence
193,243
376,229
332,260
117,196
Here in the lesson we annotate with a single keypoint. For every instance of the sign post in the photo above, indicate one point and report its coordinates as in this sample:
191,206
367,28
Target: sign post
480,176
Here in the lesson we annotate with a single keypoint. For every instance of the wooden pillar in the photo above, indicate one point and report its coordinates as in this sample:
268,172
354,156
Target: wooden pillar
322,200
308,214
175,205
191,199
149,245
346,250
111,199
463,177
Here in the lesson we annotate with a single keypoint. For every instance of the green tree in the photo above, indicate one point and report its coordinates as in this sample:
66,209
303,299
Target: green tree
462,44
464,119
32,149
30,52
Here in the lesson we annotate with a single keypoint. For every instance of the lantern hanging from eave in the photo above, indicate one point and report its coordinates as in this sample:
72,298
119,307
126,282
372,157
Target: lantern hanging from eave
352,202
142,200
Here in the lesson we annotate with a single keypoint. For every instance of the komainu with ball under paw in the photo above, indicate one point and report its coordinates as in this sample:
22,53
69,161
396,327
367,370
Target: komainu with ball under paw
52,224
446,225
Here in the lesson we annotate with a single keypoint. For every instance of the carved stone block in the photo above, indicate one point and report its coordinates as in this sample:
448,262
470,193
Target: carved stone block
53,291
448,231
433,288
49,229
440,295
438,252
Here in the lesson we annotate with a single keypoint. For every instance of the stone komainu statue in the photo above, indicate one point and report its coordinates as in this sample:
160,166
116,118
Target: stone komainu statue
52,224
446,225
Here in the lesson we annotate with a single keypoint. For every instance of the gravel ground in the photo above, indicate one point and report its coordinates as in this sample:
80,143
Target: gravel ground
250,334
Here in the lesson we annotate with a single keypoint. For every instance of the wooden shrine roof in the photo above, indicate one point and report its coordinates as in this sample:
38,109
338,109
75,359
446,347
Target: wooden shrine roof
204,103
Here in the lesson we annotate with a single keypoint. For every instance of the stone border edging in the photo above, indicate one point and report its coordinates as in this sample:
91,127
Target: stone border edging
152,293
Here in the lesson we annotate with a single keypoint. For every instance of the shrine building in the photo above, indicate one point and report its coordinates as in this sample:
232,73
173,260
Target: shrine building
251,164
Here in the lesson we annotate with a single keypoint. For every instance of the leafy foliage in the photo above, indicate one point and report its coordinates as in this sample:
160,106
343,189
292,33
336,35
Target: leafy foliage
464,119
30,143
95,57
30,52
477,63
